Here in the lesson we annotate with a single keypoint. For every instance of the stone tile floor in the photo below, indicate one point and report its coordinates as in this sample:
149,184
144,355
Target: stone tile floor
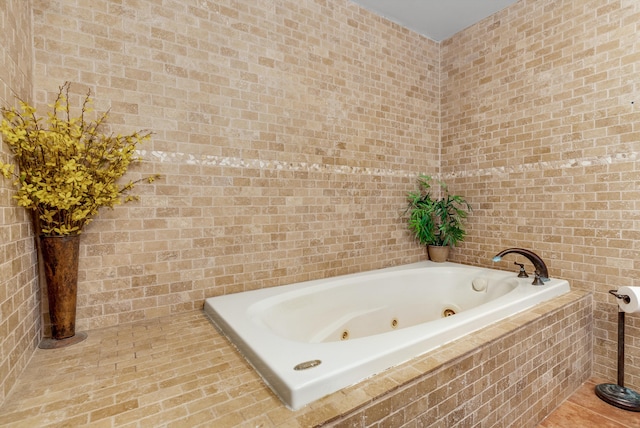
174,371
585,409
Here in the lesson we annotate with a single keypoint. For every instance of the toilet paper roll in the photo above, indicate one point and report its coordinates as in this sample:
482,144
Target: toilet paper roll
634,296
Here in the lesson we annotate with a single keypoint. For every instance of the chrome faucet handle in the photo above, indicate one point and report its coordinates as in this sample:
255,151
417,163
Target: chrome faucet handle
522,273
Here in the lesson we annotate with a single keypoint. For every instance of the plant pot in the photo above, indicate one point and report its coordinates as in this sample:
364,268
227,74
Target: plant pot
438,253
60,261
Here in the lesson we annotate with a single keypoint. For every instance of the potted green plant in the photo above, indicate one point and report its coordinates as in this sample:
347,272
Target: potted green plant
67,169
437,222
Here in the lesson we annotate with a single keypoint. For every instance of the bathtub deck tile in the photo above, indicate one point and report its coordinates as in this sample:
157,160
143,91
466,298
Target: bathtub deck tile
279,415
426,363
347,400
373,388
319,414
404,373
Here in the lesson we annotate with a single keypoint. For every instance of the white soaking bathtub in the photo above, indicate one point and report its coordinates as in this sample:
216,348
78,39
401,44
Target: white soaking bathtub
313,338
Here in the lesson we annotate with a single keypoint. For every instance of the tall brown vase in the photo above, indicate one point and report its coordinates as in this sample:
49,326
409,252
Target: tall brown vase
60,259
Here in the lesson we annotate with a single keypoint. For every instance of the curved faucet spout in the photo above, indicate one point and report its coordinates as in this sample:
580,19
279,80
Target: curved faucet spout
537,262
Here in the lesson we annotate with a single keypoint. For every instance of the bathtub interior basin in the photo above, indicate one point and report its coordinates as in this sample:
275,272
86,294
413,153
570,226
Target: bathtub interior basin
313,338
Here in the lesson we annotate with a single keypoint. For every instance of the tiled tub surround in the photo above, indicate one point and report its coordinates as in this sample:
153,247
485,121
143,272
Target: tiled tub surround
179,371
528,114
353,326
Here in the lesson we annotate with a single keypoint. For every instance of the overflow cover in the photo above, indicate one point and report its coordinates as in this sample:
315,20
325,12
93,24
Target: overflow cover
307,365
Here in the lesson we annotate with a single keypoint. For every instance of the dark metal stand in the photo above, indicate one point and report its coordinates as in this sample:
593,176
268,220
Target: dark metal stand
618,395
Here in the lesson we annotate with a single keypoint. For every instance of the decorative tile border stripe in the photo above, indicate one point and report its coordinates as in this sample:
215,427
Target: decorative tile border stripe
234,162
541,166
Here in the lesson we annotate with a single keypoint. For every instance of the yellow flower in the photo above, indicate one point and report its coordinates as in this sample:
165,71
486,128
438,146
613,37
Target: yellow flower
67,168
6,169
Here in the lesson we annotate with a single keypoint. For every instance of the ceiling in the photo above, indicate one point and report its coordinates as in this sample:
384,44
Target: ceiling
435,19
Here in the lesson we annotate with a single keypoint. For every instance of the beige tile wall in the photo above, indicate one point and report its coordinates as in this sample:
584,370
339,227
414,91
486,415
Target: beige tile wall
541,130
20,324
287,134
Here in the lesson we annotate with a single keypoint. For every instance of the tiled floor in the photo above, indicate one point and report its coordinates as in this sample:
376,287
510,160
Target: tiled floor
179,372
173,371
585,409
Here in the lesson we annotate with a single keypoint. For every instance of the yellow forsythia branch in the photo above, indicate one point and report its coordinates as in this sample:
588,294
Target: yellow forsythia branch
67,169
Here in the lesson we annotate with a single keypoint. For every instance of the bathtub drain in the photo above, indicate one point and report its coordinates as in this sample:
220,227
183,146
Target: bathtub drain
448,312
